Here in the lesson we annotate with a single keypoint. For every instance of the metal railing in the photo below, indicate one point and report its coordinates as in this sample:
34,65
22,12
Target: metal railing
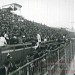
22,50
45,64
39,67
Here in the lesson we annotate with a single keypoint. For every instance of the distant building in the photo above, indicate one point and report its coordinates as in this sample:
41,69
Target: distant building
14,7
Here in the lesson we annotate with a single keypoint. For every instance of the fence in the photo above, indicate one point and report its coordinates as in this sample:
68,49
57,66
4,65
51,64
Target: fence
53,62
16,51
19,51
47,64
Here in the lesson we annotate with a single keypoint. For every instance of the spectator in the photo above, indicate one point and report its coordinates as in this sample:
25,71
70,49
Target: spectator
6,37
23,38
4,70
14,40
38,38
12,66
2,41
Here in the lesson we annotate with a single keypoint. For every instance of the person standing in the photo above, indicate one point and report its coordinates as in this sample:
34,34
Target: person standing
38,39
2,41
6,37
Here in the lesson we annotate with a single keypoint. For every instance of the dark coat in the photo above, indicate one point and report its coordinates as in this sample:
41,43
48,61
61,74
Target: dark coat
2,71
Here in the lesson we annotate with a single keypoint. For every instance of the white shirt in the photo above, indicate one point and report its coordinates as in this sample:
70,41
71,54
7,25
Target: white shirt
2,41
39,37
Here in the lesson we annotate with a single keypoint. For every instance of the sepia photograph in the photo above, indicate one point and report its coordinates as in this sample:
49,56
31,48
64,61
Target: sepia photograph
37,37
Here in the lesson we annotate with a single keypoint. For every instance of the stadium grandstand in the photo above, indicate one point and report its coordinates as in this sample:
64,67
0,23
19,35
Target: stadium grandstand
24,54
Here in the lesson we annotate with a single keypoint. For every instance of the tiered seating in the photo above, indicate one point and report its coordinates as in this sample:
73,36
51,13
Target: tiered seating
17,25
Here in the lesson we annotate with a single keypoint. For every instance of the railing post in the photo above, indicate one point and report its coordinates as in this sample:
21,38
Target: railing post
71,48
41,67
28,67
27,70
69,51
49,64
46,62
65,54
58,63
65,58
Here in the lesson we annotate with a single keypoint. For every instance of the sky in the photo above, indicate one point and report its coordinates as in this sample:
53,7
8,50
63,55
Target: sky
53,13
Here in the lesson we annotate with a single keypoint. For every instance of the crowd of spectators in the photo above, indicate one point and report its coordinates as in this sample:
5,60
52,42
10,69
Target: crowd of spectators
17,27
17,30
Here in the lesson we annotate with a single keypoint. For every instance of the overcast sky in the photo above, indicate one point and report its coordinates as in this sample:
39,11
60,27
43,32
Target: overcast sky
53,13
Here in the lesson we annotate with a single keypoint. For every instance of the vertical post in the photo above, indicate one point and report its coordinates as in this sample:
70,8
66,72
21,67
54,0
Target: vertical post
28,70
73,54
46,62
58,64
28,66
49,63
41,67
65,59
71,50
69,54
65,54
